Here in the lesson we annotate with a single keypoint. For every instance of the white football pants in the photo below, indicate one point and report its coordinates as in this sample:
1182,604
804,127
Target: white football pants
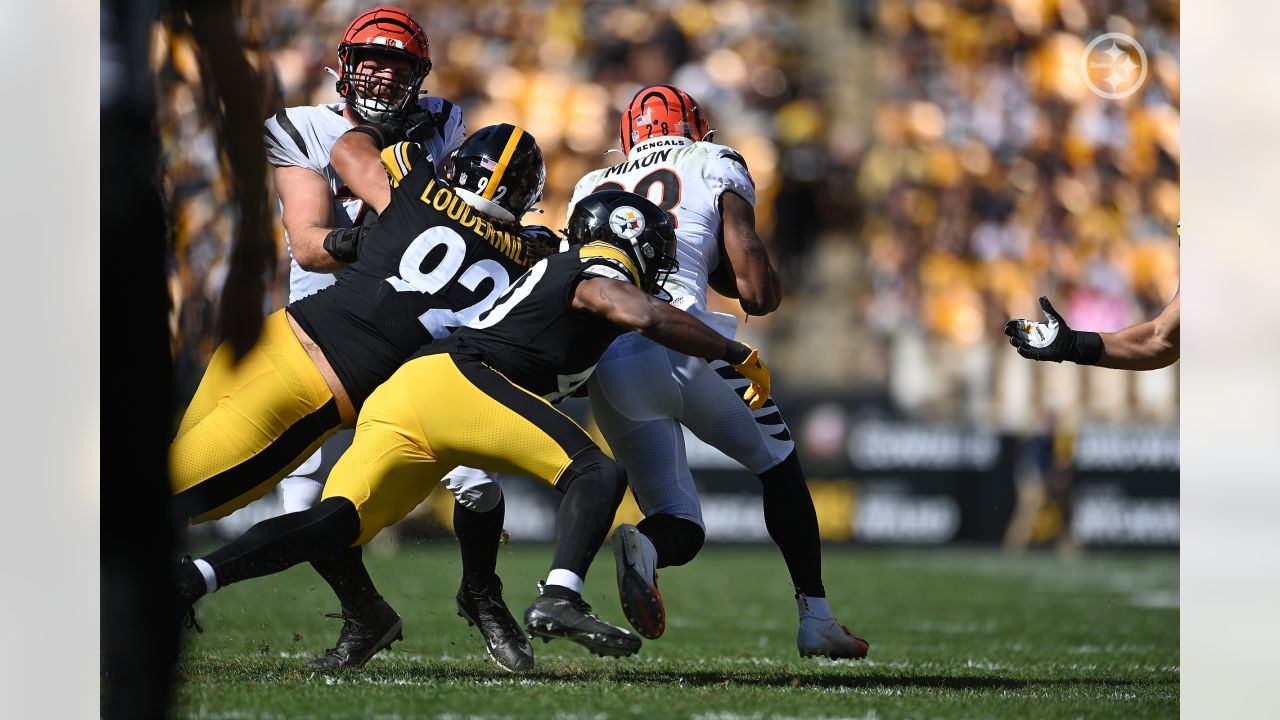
641,393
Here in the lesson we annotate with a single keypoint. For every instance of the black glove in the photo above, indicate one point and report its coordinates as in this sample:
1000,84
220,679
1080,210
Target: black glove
344,243
1053,339
417,125
541,241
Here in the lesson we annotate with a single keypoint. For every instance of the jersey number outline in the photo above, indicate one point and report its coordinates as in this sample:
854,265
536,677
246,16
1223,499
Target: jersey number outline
565,384
440,321
671,190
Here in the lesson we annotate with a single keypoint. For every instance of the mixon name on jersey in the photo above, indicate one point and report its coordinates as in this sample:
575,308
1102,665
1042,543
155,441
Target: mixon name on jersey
642,162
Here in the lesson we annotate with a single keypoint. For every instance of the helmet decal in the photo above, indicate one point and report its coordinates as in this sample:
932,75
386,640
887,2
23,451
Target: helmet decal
626,222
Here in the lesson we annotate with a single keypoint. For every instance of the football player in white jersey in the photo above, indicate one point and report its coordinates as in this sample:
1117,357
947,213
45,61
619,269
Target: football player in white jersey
641,393
384,57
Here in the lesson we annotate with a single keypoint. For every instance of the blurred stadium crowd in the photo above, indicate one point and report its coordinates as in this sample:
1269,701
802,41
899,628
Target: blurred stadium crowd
925,170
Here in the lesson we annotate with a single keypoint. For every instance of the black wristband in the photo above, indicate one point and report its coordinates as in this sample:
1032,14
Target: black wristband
736,353
343,243
1087,348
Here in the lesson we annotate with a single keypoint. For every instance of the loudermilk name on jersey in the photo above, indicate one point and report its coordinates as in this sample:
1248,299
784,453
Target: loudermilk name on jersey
431,264
303,136
686,179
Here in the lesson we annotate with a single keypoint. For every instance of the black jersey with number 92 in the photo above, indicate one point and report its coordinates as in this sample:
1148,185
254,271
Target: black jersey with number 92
430,265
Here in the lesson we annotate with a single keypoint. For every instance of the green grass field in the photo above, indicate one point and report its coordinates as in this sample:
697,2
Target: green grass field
953,633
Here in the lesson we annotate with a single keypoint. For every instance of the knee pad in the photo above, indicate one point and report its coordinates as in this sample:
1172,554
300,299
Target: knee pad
592,465
474,489
677,540
481,499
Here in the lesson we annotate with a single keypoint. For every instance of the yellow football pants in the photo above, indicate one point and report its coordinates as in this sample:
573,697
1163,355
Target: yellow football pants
437,412
249,424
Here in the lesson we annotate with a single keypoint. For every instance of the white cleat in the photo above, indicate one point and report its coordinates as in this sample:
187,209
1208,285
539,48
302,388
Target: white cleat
638,582
826,637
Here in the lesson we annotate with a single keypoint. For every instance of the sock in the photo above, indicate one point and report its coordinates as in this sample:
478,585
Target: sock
479,535
210,577
346,574
565,579
793,524
282,542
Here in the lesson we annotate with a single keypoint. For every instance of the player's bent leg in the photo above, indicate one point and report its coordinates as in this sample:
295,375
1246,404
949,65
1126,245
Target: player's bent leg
479,599
653,452
250,424
478,418
367,619
761,441
593,487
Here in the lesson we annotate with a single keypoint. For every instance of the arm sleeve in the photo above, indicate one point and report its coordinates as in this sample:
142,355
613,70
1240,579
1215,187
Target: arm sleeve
728,171
285,143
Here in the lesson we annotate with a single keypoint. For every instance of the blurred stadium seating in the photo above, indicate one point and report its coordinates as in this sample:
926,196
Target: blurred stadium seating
925,170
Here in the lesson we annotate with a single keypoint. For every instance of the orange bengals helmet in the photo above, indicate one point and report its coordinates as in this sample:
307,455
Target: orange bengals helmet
389,30
659,110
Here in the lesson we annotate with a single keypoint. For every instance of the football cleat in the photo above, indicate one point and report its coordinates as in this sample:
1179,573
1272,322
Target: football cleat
363,635
551,617
638,582
190,586
483,608
826,637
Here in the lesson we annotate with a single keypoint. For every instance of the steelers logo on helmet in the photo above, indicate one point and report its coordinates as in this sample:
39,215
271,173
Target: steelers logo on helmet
626,222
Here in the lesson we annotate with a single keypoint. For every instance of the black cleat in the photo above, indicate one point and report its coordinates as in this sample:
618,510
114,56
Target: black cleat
363,635
551,617
191,587
482,607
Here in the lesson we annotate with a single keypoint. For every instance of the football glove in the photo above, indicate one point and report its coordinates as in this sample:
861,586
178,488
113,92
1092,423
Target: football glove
746,360
1053,339
344,243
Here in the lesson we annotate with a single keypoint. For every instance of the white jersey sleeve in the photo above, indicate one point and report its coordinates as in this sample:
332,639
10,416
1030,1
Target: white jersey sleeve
584,188
294,138
727,170
450,129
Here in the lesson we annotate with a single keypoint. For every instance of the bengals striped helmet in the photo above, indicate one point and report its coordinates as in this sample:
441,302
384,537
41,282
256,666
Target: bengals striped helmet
388,30
661,110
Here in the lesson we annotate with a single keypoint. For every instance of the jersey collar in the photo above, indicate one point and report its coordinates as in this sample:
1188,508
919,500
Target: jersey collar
657,143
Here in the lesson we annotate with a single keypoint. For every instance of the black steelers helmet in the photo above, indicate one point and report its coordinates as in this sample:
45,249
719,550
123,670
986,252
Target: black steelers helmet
632,224
499,171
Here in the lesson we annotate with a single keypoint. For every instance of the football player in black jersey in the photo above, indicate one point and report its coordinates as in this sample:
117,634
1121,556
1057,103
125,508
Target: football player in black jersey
440,254
483,398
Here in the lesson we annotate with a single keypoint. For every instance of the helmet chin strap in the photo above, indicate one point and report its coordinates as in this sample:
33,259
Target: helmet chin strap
332,72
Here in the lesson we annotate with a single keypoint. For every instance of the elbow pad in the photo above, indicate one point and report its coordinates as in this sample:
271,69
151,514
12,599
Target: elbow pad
344,243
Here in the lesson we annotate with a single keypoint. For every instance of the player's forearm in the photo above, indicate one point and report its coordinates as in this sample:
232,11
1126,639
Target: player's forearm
307,244
760,293
356,159
1146,346
684,333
